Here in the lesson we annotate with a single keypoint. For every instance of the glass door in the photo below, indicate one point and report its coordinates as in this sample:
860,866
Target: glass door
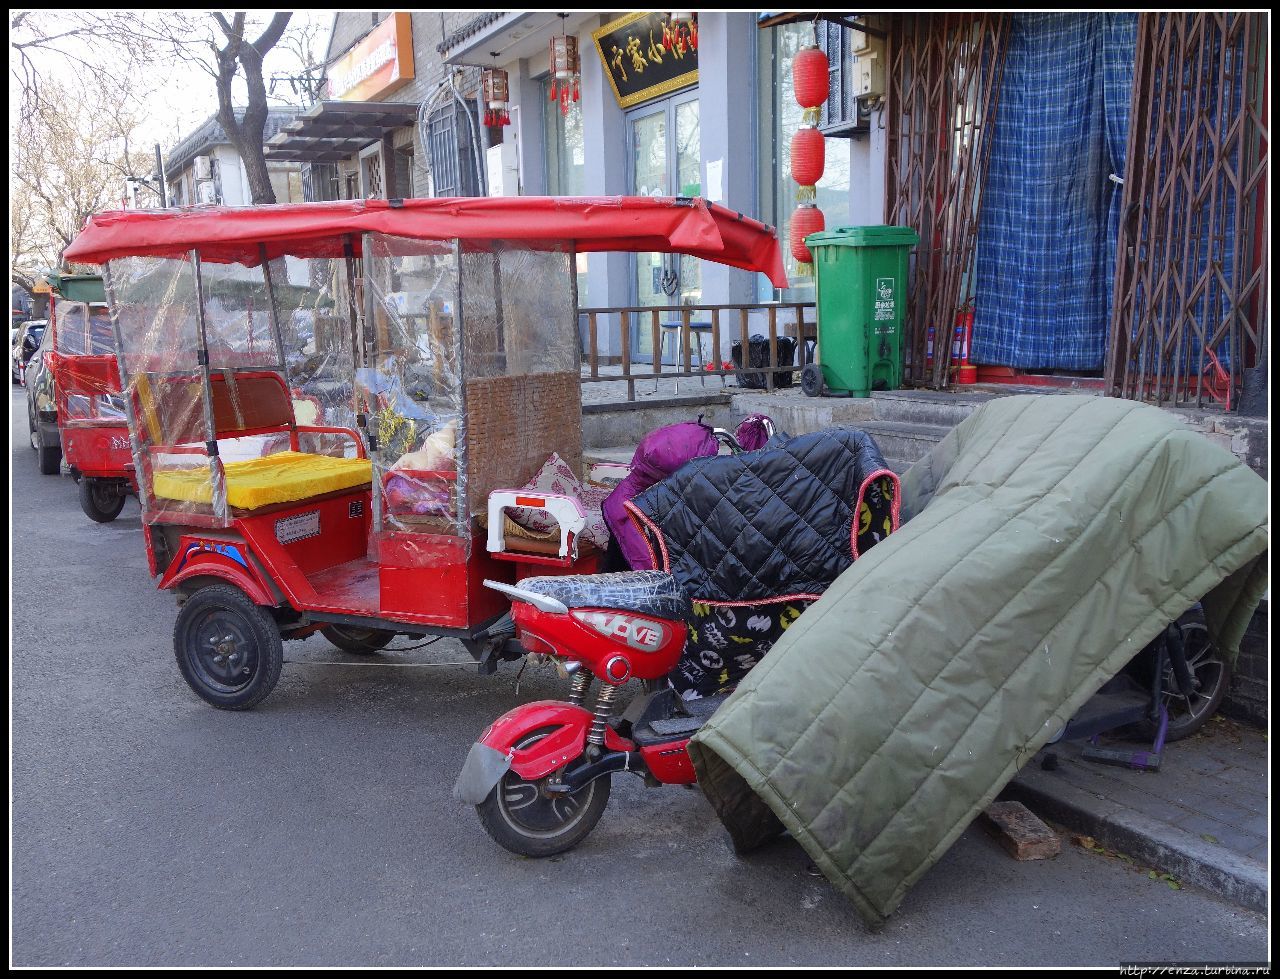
665,161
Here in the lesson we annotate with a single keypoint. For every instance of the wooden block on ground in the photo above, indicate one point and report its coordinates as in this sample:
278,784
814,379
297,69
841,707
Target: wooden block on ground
1020,831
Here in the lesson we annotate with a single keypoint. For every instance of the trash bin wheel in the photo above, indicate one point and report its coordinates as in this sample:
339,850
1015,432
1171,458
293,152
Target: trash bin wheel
811,381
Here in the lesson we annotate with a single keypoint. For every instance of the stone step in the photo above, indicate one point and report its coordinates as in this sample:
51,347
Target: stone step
925,407
899,466
904,441
609,453
800,415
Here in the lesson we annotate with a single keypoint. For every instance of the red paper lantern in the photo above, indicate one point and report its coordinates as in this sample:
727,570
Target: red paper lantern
806,220
811,77
808,156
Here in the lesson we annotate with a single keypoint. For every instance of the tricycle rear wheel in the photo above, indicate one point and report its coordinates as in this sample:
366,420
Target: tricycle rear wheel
353,639
100,499
522,817
228,649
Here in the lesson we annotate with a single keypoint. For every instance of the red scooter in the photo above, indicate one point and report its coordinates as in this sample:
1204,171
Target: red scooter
539,775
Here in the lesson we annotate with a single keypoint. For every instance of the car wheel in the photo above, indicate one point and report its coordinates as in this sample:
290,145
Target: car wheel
100,499
50,456
228,649
352,639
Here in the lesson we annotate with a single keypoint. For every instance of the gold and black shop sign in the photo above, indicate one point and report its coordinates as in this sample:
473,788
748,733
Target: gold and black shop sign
646,57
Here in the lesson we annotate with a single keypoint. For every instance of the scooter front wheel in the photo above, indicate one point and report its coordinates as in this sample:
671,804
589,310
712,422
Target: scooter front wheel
525,818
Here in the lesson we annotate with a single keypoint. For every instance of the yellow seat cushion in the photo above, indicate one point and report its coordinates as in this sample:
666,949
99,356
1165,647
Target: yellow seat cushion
251,483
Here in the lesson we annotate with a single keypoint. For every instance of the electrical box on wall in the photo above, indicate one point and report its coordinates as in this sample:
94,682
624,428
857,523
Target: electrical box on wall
868,77
504,170
868,51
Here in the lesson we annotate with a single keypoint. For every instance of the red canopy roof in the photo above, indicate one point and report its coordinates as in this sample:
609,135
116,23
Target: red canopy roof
593,224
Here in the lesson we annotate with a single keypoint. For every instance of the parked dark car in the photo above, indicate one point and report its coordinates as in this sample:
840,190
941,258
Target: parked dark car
42,407
25,341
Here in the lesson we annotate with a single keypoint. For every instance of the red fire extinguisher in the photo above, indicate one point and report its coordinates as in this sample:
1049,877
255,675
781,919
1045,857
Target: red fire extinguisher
962,343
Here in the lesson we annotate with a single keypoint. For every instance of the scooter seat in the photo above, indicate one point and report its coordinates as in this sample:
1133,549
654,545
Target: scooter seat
644,592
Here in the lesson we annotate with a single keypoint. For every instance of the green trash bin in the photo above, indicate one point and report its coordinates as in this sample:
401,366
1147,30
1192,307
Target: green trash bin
861,276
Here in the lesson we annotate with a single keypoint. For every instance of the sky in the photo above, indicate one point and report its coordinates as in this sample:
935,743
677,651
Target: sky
180,96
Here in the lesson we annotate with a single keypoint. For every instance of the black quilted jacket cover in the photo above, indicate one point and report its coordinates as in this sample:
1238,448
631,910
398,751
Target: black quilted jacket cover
773,523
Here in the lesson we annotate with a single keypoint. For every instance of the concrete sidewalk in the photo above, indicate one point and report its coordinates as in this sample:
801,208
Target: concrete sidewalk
1202,817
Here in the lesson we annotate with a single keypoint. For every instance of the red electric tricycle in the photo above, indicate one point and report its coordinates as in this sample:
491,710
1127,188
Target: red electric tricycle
323,397
78,379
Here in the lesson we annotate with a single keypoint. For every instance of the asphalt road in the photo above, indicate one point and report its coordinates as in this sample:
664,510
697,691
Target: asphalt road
150,829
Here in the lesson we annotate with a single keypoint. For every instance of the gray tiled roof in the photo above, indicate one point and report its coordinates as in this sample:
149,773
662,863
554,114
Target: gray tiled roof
474,26
210,134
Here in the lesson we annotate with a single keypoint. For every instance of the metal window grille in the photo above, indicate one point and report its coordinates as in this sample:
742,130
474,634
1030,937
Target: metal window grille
1189,318
841,109
453,168
320,182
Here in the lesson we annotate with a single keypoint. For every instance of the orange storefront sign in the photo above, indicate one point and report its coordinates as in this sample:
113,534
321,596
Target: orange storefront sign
380,63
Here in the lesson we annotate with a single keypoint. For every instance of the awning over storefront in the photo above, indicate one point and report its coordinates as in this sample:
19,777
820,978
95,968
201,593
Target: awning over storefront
324,230
332,131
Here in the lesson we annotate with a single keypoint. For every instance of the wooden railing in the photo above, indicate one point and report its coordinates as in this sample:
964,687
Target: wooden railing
722,320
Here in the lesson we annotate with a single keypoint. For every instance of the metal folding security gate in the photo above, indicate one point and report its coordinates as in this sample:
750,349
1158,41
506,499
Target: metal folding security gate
943,85
1190,305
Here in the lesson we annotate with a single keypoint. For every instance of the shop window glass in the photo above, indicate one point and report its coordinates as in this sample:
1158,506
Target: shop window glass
565,157
565,151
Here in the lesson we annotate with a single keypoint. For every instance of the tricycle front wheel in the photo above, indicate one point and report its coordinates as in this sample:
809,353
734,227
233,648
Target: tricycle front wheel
228,649
100,499
524,818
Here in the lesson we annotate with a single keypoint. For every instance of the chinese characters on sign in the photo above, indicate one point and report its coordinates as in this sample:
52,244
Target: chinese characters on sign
647,56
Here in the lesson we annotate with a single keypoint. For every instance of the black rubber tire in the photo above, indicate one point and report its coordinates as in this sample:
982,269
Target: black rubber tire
48,456
496,813
811,380
100,499
252,633
353,639
1209,667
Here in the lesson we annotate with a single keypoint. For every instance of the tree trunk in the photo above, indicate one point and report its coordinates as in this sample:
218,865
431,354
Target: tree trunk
245,133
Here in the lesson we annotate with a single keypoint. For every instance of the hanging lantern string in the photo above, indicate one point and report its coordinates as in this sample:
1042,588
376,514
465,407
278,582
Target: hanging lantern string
811,81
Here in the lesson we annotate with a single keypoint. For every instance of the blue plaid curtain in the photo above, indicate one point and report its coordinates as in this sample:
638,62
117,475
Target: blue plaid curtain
1050,212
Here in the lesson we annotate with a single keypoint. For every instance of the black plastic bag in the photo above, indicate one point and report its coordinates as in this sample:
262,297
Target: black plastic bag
758,356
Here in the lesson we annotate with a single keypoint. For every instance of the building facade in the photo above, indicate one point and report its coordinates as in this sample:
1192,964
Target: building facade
926,114
204,168
403,116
